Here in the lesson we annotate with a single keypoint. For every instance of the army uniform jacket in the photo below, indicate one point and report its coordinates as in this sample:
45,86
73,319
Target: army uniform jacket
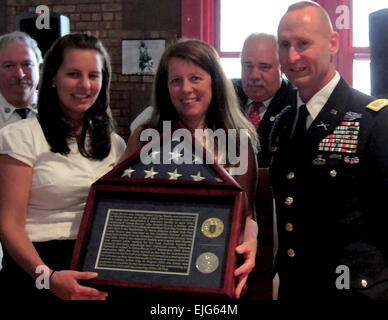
286,95
331,200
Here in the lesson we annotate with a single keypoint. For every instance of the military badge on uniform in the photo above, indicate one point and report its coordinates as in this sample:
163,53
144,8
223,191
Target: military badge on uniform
324,125
354,160
335,156
319,161
344,139
351,116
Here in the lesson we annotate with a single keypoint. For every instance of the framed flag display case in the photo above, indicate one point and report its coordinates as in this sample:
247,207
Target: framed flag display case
162,227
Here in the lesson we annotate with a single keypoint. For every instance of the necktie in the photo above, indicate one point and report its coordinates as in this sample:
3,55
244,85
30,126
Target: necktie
300,127
254,115
22,112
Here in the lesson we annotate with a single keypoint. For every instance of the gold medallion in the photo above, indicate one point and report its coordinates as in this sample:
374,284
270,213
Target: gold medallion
212,227
207,262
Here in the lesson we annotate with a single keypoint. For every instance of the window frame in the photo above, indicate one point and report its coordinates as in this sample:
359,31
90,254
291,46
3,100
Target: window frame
201,20
197,20
347,52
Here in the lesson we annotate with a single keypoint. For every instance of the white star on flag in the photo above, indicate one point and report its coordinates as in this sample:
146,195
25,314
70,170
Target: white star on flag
150,173
128,172
152,156
197,177
175,155
154,153
174,175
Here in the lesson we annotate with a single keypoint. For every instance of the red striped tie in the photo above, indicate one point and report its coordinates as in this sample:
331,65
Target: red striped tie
254,115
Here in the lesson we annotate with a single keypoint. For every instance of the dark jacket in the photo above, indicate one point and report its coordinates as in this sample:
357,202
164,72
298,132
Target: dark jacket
331,201
286,95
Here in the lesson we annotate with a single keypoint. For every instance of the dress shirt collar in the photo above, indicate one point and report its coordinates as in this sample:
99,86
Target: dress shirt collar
263,109
318,100
7,109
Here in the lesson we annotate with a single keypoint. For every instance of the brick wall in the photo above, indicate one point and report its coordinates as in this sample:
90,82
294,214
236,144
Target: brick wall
105,19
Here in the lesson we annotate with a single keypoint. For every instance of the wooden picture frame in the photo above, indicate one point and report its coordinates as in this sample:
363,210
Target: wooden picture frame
162,235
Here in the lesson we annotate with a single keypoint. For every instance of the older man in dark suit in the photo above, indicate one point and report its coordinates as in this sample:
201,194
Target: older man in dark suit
261,90
329,171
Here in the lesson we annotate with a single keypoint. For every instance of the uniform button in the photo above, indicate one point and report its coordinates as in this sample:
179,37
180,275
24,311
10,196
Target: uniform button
272,118
289,227
290,175
291,253
7,110
364,283
333,173
289,201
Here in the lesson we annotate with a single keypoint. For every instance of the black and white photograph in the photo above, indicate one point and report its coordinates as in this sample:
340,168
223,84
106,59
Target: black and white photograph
141,57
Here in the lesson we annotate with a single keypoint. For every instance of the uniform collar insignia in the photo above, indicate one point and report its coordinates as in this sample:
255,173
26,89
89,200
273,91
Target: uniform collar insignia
323,125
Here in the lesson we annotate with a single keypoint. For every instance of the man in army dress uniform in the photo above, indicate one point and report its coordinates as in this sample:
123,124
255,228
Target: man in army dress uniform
329,171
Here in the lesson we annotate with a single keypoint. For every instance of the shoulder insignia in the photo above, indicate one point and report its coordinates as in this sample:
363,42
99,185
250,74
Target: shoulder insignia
378,104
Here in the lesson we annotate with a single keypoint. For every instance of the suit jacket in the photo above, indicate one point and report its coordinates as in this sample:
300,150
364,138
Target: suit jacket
330,196
286,95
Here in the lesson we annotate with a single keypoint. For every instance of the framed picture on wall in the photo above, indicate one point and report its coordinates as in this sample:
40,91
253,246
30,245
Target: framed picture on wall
141,57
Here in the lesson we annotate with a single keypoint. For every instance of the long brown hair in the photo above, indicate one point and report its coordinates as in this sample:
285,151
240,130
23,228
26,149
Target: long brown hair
97,122
223,112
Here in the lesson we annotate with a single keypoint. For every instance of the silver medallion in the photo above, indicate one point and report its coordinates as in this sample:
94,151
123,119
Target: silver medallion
207,262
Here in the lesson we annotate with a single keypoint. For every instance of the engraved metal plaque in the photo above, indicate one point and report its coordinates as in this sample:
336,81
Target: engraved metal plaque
147,241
